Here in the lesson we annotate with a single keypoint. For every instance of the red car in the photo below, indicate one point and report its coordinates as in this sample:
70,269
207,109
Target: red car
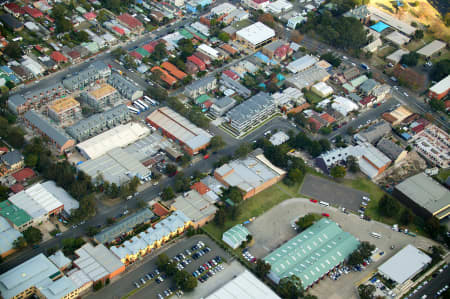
325,214
313,200
205,157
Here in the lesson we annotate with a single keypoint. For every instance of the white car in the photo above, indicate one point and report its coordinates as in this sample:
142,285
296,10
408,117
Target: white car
406,95
366,198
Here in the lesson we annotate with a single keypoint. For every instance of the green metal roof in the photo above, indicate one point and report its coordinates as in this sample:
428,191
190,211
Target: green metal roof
143,52
195,32
201,99
185,33
358,81
237,234
13,213
312,253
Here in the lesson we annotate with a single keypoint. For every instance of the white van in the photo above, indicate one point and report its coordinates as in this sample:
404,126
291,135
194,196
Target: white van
323,203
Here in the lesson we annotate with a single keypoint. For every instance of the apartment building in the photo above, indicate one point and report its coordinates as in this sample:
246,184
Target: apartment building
102,95
128,89
65,110
200,87
97,71
255,36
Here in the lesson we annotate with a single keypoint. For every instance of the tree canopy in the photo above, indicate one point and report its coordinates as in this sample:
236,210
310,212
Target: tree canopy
410,59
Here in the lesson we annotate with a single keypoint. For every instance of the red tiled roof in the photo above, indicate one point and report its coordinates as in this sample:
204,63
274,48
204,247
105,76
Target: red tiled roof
231,74
159,210
207,104
149,48
16,188
165,76
136,55
315,123
15,8
197,61
330,119
50,18
130,21
23,174
3,149
90,15
58,57
177,73
367,100
283,51
200,188
418,128
33,12
39,48
228,48
119,30
74,54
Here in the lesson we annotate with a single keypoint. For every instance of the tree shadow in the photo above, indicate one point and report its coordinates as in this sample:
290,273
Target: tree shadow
387,7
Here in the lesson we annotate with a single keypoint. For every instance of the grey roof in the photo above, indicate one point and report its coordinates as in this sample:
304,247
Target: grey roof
96,123
274,45
10,21
250,108
88,75
16,100
200,83
54,133
354,97
404,264
124,226
194,206
8,235
389,148
59,259
224,102
11,158
125,86
368,86
426,192
375,132
235,85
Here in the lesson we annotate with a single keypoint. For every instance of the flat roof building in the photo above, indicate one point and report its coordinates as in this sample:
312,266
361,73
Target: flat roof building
397,38
432,48
308,77
312,254
8,234
222,105
199,208
65,110
38,276
119,136
256,35
374,132
397,116
19,219
396,56
201,86
116,166
433,144
44,127
235,236
426,196
405,264
440,90
244,286
178,128
322,89
97,262
302,64
251,113
101,96
252,174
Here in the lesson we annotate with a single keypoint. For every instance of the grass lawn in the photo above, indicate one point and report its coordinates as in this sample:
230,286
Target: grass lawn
255,206
442,175
312,98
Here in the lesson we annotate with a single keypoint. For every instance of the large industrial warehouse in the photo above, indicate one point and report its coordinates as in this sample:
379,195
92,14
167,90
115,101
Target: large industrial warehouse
178,128
312,254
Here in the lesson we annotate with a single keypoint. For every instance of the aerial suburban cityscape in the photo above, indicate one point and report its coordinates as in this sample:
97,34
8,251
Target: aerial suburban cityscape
241,149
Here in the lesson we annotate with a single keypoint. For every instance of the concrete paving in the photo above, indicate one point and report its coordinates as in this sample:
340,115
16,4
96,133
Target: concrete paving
335,194
273,229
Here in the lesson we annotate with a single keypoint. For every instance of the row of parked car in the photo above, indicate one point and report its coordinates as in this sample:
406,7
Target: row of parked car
248,256
208,269
363,206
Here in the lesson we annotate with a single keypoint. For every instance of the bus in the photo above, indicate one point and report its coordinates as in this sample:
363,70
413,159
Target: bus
139,106
143,104
375,235
152,102
133,110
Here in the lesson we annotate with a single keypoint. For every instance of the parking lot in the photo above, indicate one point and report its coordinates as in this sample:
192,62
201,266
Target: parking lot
335,194
151,289
277,222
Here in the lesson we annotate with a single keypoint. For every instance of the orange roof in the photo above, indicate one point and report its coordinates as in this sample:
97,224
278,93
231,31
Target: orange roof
327,117
165,75
159,210
200,188
173,70
229,49
299,108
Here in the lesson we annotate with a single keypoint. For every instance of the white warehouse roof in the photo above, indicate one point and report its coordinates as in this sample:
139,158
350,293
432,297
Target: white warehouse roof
37,201
244,286
441,86
116,137
404,264
256,33
302,63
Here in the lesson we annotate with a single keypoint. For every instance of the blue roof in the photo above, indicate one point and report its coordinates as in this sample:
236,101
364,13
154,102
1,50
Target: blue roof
265,59
379,27
406,136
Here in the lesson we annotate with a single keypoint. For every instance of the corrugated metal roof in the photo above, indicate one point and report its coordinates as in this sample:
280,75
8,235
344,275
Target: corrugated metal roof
54,133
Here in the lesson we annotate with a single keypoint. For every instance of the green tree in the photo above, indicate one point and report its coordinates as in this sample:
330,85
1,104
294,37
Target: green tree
98,285
232,193
167,193
3,192
306,221
437,105
92,231
185,281
102,16
366,291
352,164
32,235
333,60
219,218
71,244
20,243
440,70
290,287
63,25
295,175
13,50
160,52
223,36
171,169
31,160
217,143
186,47
243,150
410,59
388,206
15,137
418,34
338,171
182,183
262,268
406,216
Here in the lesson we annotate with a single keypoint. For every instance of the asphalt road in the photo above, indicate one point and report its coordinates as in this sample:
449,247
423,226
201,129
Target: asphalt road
434,285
